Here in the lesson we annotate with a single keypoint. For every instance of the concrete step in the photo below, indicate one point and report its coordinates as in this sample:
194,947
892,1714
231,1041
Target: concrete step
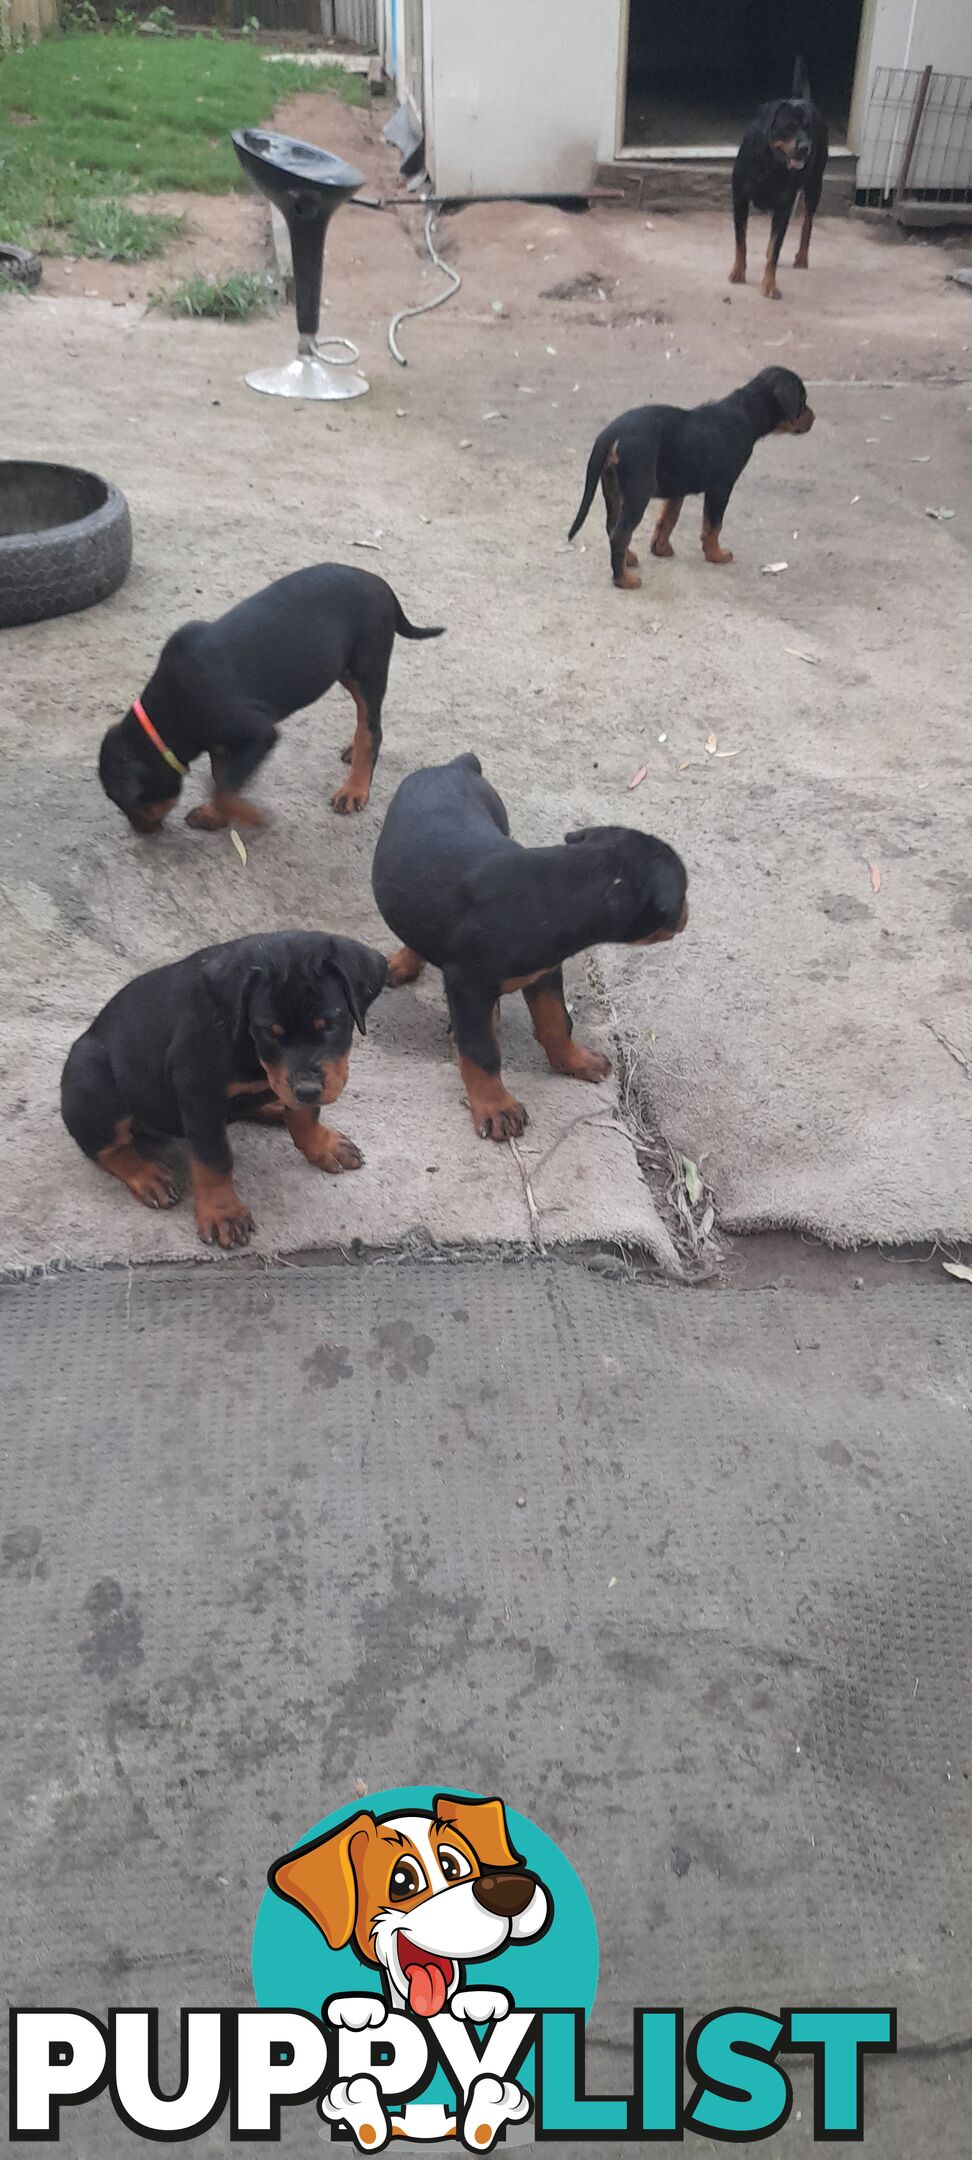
673,184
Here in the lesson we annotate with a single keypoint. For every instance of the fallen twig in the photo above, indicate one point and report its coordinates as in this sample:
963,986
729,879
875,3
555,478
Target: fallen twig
952,1048
530,1201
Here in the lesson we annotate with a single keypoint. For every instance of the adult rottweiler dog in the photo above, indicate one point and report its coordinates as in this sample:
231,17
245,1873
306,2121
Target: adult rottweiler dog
222,687
495,917
259,1028
666,451
784,152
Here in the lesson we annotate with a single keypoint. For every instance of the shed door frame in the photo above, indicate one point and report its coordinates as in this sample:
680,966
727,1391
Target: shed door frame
688,155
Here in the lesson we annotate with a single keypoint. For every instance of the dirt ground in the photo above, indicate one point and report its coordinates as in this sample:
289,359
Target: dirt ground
804,733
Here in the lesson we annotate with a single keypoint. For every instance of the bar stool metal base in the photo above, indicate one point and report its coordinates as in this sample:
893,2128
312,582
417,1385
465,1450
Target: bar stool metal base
312,375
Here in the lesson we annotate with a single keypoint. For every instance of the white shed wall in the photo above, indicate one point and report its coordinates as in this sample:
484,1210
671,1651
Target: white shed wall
521,95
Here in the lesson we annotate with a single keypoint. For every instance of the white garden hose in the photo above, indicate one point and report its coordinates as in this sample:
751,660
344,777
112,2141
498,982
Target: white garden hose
425,306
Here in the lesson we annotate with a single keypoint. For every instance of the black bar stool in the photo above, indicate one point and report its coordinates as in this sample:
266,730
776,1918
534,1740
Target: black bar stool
306,186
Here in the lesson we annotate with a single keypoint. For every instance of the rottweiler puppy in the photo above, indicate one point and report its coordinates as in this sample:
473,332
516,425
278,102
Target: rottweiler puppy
784,152
259,1028
495,917
222,687
666,451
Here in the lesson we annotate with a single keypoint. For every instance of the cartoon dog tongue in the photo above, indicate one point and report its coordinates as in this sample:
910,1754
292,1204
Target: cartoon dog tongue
426,1988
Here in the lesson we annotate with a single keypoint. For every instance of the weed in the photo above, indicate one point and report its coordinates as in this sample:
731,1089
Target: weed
113,232
77,15
230,299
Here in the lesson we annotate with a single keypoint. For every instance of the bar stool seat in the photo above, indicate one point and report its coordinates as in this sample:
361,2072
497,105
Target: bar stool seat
307,186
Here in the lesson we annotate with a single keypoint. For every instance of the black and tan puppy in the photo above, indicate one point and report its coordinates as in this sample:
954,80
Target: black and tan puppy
495,917
259,1028
783,153
669,452
222,688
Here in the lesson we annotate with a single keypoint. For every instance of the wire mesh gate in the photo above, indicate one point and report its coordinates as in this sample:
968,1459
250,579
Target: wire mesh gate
917,139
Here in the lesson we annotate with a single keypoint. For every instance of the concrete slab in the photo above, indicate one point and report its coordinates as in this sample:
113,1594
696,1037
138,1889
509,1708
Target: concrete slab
684,1576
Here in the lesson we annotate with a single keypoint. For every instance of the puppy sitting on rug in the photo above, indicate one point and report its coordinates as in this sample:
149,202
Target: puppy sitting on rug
259,1028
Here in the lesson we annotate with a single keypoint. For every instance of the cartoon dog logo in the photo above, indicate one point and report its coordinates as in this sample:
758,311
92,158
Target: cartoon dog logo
419,1896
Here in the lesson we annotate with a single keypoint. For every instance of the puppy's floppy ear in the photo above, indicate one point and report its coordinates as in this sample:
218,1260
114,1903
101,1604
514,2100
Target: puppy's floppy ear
230,981
789,393
361,971
483,1825
321,1879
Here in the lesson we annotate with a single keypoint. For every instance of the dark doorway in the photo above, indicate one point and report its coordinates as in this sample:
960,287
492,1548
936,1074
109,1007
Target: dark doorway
696,73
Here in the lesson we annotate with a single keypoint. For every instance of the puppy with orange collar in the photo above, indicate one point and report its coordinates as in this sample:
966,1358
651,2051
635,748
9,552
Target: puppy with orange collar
418,1896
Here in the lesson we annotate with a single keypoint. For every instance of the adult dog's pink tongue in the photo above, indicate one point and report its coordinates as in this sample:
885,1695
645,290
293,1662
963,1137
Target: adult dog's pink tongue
426,1990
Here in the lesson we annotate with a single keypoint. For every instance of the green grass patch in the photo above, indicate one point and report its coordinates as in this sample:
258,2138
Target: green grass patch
230,299
106,114
114,233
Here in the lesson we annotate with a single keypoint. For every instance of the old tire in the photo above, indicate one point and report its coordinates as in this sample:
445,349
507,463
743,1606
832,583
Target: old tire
65,540
20,265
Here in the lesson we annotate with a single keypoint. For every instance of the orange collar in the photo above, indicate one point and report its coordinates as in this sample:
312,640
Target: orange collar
154,737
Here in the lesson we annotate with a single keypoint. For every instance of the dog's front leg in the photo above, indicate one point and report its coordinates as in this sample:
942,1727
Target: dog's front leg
221,1217
474,1012
233,764
778,224
358,2102
740,220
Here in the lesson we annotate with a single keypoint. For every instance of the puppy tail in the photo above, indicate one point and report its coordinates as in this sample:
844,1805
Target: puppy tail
407,629
801,81
595,467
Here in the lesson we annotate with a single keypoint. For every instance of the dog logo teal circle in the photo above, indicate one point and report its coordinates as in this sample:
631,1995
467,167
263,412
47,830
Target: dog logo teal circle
415,1922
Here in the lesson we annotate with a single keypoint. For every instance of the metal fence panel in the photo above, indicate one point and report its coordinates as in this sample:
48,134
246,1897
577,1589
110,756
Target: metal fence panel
938,114
356,20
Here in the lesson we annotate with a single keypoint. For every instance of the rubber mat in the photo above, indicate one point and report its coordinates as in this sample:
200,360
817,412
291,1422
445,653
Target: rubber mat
685,1577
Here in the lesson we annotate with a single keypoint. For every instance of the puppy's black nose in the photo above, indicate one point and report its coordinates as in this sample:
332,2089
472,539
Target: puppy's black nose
505,1895
307,1091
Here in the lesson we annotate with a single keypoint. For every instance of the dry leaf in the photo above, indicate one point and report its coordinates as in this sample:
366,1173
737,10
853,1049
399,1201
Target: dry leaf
707,1221
956,1267
712,744
940,514
772,569
810,658
637,777
376,544
691,1180
238,844
725,753
922,460
875,877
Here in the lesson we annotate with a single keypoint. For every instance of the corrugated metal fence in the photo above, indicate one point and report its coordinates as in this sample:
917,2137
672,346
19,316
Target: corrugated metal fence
356,20
352,20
